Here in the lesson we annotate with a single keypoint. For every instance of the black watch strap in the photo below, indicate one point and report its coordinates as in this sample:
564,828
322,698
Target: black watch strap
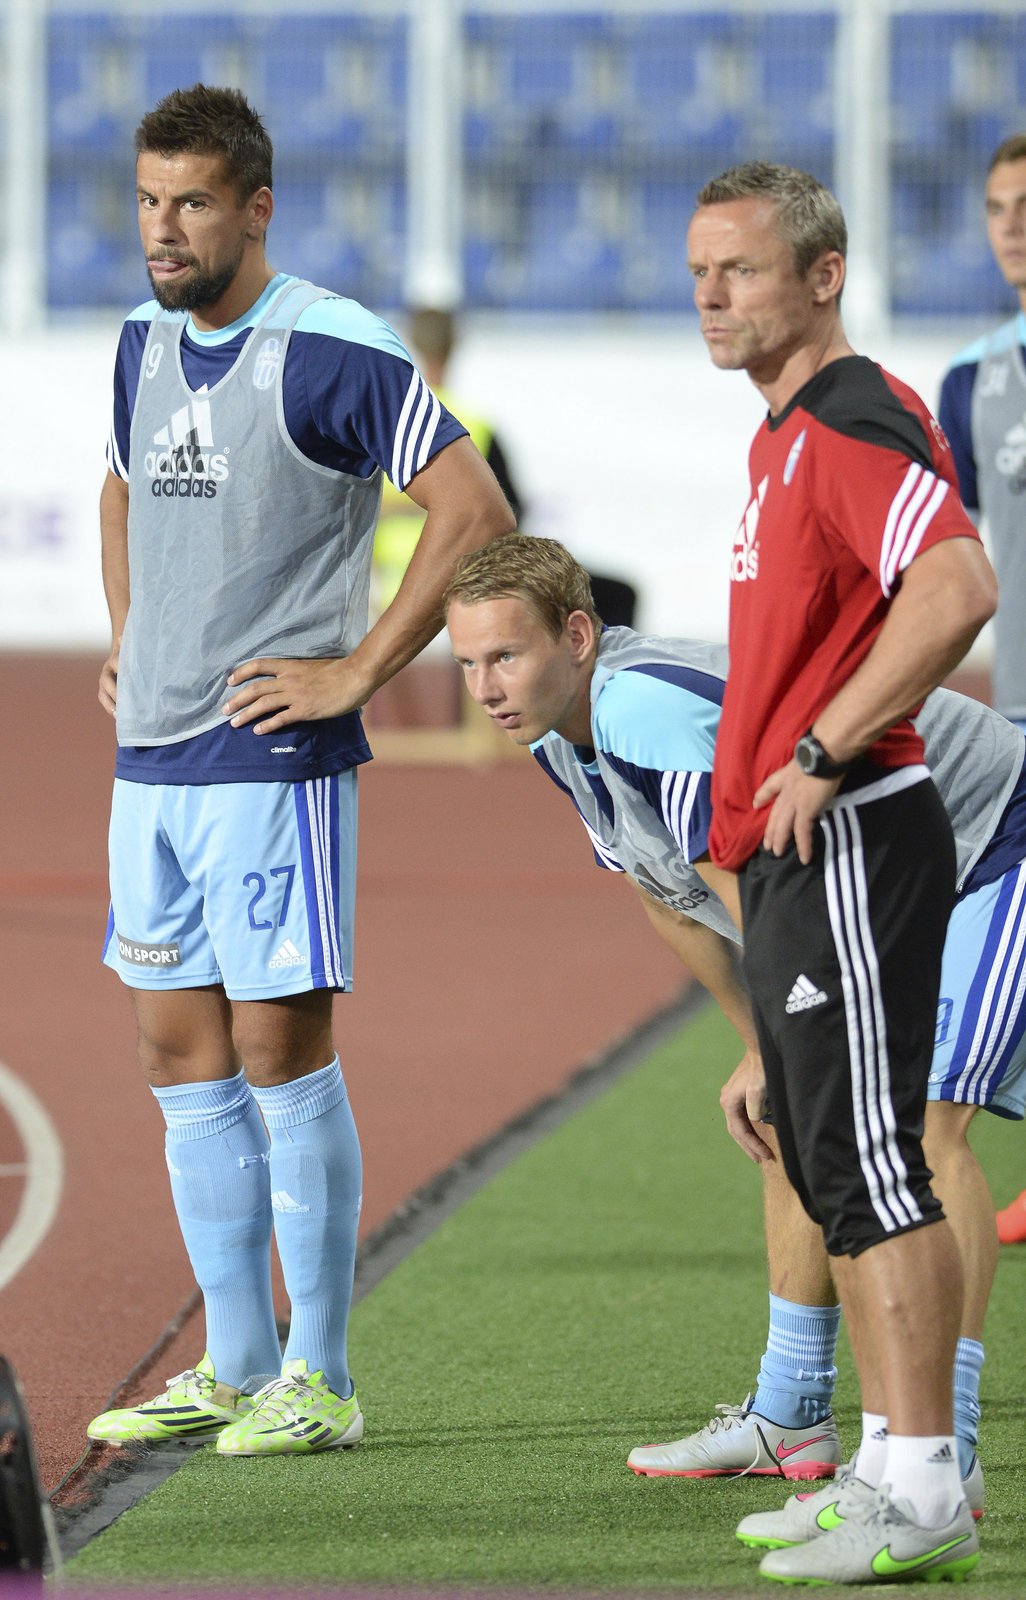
814,760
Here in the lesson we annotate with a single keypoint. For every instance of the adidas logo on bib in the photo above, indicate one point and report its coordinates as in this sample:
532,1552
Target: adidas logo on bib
804,995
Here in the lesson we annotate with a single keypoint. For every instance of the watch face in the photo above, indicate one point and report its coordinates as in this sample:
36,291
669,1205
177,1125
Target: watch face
805,754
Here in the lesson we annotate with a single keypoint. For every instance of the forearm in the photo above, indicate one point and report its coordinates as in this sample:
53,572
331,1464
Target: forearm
933,619
114,551
465,510
415,615
710,958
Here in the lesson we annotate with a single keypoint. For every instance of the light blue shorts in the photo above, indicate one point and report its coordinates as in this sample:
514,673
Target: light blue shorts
980,1053
249,885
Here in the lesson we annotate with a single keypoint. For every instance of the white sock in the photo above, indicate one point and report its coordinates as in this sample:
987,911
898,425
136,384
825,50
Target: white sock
924,1472
872,1451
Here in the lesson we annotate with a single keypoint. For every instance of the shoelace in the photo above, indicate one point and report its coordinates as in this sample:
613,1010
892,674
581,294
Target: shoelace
730,1416
277,1399
875,1513
194,1383
733,1416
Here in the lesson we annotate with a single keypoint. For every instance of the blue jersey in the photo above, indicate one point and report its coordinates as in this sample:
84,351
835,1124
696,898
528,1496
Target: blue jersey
643,788
352,404
983,411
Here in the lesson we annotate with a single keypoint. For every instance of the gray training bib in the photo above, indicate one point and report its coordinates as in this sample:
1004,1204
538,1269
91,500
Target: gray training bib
238,546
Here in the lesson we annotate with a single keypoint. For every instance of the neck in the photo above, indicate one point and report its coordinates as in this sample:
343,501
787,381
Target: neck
575,723
780,382
244,291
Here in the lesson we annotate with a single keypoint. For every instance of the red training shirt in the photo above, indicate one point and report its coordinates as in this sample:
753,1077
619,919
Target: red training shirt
850,482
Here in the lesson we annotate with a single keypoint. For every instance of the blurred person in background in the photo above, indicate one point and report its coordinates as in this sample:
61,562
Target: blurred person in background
254,415
432,333
983,412
408,698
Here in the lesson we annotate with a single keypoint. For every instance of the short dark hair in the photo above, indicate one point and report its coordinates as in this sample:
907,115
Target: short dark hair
1011,149
211,122
809,217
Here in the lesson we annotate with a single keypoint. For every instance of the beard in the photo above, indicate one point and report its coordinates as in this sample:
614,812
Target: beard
198,289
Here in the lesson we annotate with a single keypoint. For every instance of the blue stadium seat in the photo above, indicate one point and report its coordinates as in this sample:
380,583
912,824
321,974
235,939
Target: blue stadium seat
926,92
93,254
1015,42
793,103
656,276
334,84
90,92
685,87
940,278
940,261
573,274
355,249
573,260
190,47
547,82
491,275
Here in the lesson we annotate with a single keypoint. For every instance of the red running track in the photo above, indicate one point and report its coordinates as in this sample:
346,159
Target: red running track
492,960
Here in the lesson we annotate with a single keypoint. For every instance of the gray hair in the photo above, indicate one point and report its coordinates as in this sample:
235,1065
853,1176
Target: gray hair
809,217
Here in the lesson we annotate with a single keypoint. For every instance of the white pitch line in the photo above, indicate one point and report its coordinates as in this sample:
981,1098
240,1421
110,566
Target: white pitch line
44,1168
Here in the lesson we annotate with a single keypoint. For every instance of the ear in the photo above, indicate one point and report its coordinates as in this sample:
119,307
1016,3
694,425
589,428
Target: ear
261,210
826,277
581,633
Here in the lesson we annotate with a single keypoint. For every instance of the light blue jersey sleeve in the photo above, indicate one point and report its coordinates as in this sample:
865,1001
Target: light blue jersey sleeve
656,725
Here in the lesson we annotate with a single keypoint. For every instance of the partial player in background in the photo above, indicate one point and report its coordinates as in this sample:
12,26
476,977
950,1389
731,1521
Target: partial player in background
983,413
625,725
254,414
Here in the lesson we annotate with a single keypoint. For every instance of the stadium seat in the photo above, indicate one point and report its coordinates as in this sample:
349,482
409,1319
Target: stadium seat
334,85
940,260
793,104
91,98
343,236
93,256
687,85
656,276
537,80
190,47
933,84
574,247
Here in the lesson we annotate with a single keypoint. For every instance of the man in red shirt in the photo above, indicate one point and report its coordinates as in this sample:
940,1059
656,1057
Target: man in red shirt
857,584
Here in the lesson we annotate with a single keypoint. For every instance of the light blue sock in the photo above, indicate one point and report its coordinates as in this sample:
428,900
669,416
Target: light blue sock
968,1366
216,1147
797,1375
316,1187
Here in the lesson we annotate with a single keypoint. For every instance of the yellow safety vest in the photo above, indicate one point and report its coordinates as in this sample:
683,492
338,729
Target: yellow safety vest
402,519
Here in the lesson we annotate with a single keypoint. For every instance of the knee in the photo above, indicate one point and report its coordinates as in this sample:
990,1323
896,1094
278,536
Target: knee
178,1042
278,1043
946,1133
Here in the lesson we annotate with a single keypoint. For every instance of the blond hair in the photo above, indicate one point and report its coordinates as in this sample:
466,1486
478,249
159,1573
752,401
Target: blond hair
541,572
809,218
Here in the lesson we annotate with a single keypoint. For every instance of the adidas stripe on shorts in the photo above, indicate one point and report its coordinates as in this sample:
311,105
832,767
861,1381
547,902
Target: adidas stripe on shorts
249,885
843,963
980,1049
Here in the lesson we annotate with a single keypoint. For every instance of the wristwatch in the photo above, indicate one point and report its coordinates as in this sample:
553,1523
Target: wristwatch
814,761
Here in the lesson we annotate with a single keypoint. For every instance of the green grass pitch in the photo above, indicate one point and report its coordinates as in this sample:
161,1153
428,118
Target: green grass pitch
605,1290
